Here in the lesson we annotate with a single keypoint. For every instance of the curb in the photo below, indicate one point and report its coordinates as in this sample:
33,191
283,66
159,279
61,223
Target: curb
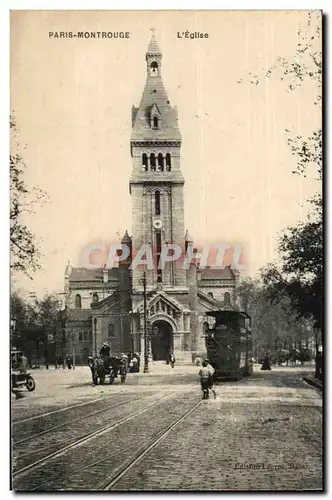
314,383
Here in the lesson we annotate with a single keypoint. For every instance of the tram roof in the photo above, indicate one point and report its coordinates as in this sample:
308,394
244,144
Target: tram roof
228,313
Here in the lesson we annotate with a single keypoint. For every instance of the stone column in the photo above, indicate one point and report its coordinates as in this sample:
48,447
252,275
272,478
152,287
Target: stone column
180,322
187,321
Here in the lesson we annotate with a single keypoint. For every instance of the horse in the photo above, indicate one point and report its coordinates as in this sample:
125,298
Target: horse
97,368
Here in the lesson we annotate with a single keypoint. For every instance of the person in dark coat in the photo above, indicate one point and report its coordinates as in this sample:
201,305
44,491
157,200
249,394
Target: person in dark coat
105,353
266,363
171,359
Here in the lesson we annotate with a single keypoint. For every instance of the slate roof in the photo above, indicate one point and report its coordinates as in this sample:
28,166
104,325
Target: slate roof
94,275
153,47
216,274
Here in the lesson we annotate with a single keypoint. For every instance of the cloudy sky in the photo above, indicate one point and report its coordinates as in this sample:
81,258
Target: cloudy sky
72,101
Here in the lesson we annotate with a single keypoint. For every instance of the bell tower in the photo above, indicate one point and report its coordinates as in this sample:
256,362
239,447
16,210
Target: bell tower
156,183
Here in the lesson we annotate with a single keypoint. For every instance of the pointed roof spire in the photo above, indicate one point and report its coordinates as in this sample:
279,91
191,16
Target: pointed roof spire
68,269
153,47
126,238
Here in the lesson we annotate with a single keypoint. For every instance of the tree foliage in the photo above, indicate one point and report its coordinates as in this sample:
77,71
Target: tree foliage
25,252
276,326
300,274
34,320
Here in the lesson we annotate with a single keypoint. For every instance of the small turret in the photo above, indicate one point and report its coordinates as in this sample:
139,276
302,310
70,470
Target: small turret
188,240
105,274
126,242
68,270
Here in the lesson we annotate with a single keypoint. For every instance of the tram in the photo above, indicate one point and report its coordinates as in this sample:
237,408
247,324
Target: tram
229,344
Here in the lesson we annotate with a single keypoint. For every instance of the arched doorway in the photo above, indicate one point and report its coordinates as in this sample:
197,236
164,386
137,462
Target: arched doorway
161,340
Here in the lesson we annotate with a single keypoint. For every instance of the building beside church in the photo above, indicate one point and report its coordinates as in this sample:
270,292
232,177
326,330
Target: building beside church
108,304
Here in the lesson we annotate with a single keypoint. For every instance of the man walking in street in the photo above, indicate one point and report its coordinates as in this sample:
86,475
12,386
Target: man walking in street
204,374
211,381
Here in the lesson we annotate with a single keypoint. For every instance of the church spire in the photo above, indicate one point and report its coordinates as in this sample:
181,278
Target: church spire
155,118
153,48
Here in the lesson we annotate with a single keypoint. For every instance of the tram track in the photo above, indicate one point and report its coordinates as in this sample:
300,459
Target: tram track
86,438
135,452
71,422
66,408
107,486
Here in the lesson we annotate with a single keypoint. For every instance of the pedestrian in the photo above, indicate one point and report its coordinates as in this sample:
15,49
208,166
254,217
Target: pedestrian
68,362
24,364
266,363
172,359
211,379
204,374
105,354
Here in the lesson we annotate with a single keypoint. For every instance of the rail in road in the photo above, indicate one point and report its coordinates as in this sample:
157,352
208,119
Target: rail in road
107,453
66,430
71,422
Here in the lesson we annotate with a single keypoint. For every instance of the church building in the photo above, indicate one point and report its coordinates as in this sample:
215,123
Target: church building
108,304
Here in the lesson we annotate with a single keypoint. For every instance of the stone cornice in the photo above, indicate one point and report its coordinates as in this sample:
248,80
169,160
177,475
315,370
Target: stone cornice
159,142
216,284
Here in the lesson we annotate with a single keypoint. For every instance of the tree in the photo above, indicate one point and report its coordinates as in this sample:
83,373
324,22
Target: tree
275,324
33,322
301,246
25,253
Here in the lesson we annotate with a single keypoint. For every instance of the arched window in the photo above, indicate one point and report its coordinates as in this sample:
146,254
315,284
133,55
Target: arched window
155,122
160,162
145,161
95,298
153,161
210,294
168,162
154,68
227,298
78,301
157,203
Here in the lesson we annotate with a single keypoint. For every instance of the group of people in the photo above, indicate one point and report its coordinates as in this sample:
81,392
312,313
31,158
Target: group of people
132,359
206,372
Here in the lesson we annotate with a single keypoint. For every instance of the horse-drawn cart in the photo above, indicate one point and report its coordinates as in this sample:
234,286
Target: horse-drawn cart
110,368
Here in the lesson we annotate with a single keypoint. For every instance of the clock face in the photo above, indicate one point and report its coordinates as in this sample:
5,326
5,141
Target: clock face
157,224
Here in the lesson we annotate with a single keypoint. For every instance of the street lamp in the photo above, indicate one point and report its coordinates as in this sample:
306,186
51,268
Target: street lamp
131,313
73,340
146,346
95,337
13,327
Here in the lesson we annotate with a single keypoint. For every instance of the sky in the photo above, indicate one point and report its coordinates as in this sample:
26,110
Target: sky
72,102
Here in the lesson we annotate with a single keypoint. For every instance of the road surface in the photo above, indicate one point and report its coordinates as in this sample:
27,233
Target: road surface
155,433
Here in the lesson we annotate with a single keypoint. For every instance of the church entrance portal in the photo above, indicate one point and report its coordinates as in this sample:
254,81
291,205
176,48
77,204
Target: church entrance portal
161,340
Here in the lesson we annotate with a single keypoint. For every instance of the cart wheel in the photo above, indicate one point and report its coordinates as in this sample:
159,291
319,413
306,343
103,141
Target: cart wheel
30,384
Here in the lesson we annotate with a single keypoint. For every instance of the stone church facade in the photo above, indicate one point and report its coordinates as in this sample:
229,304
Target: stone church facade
108,304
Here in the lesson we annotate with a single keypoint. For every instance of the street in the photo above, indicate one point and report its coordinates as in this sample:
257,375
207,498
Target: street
155,433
